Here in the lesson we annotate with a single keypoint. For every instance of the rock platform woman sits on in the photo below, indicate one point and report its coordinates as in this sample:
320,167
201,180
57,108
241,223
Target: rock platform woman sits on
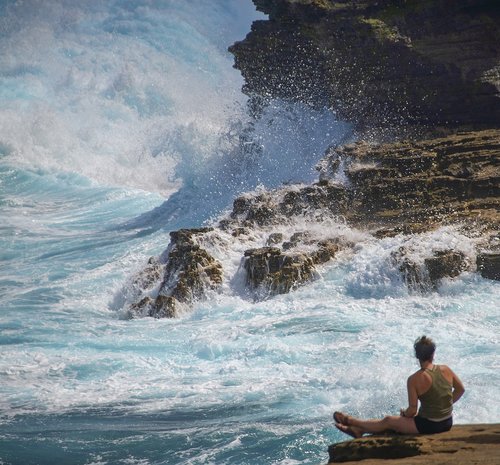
435,386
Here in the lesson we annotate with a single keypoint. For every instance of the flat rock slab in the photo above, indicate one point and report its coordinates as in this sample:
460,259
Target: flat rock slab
463,445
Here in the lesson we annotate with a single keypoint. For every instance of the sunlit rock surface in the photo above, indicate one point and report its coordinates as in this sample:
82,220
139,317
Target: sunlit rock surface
462,445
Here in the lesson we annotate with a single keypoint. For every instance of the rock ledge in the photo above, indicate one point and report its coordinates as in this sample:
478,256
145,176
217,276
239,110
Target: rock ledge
464,444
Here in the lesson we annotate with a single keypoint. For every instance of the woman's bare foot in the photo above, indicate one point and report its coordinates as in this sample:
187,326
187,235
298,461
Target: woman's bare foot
350,430
342,418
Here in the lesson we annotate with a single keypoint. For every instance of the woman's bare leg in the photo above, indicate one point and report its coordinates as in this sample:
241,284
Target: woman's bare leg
399,424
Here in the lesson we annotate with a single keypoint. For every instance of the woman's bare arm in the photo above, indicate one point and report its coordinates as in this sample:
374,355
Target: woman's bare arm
411,411
458,387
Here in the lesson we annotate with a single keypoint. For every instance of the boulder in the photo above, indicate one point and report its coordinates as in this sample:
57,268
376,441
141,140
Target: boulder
326,250
443,264
189,272
270,271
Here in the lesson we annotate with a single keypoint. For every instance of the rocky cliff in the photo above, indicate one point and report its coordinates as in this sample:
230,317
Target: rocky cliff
464,444
379,63
420,80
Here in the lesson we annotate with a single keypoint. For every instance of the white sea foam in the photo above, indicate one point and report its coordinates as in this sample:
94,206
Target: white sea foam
117,92
83,98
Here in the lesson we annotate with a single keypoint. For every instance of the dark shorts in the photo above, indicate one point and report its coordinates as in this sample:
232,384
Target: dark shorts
425,426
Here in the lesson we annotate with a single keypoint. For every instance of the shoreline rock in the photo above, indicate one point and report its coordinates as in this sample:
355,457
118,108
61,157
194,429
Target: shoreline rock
462,445
396,69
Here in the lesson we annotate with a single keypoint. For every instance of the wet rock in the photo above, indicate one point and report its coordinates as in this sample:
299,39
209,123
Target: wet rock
164,307
326,251
239,232
488,264
274,238
149,275
254,210
270,271
189,272
296,239
445,264
426,276
329,165
142,307
413,275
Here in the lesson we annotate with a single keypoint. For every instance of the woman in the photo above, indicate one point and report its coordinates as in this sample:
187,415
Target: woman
435,386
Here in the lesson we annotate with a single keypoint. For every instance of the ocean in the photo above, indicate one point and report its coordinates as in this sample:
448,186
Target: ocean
121,121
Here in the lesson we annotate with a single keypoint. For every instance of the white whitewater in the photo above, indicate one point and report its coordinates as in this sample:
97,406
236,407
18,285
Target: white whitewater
123,120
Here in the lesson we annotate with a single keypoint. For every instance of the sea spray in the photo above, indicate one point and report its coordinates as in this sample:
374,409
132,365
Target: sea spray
104,109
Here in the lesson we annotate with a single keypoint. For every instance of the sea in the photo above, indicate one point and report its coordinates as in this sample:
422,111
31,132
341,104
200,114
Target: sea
121,121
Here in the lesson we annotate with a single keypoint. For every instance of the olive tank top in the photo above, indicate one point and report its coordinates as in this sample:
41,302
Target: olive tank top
437,402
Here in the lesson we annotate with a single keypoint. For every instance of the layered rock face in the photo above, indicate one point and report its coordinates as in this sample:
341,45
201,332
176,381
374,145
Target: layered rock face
423,182
463,445
379,63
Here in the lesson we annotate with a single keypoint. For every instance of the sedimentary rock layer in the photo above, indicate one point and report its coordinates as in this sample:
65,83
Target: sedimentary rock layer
453,178
379,63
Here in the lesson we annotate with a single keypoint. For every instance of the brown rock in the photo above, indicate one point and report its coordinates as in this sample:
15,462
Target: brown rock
462,445
274,238
326,251
164,307
378,63
190,271
488,264
149,275
403,184
271,272
445,263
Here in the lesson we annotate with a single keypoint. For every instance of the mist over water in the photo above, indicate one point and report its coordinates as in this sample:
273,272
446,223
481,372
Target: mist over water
129,113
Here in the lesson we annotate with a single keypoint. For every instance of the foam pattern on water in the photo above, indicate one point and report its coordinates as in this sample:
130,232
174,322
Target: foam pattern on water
107,107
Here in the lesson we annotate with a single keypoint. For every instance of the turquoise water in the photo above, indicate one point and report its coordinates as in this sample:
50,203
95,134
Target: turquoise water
119,123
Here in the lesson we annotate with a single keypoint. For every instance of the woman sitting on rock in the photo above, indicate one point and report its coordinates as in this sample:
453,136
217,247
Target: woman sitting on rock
435,386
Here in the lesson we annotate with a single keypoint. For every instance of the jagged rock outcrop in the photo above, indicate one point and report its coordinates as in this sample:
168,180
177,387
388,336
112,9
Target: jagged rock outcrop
379,62
462,445
428,274
189,272
270,271
280,206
